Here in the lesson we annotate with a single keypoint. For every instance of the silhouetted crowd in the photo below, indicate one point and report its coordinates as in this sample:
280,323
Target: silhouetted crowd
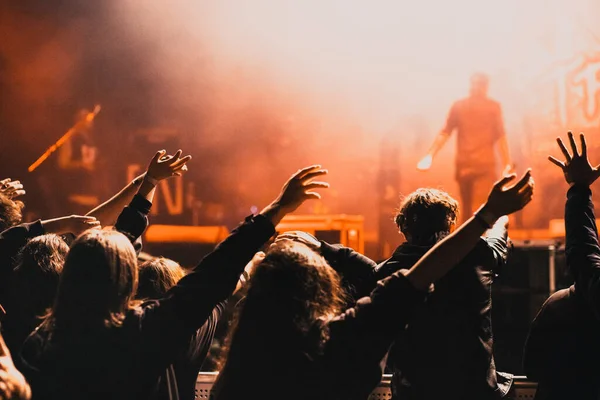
84,319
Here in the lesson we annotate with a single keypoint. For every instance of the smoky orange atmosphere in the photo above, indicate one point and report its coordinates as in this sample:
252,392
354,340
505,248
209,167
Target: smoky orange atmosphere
254,89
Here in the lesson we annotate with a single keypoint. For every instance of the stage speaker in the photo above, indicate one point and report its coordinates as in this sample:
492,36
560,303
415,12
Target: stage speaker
534,271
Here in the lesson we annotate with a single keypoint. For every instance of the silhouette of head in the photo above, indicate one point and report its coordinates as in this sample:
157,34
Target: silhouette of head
427,216
479,84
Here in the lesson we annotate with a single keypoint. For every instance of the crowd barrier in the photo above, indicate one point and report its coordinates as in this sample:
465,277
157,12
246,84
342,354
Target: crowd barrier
522,389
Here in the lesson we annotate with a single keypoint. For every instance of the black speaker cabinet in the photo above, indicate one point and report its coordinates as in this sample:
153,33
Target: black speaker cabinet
535,270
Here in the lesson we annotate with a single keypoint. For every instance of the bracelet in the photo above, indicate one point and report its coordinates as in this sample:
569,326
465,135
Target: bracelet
244,277
485,217
151,180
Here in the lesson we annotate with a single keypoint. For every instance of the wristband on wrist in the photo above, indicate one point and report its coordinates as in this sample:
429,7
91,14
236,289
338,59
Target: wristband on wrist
244,277
485,217
150,180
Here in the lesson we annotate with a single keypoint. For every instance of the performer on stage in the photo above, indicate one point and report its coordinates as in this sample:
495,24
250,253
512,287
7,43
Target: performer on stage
478,121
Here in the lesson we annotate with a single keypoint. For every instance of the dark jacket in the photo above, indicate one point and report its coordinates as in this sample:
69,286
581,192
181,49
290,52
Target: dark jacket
349,366
356,270
11,241
183,373
126,362
20,321
446,350
15,328
563,347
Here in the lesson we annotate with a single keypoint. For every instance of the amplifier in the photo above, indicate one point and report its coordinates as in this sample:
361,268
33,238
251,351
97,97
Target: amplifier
534,271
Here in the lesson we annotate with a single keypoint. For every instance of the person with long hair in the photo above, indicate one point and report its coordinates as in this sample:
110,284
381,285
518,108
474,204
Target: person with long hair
295,339
32,256
33,288
98,342
88,322
14,238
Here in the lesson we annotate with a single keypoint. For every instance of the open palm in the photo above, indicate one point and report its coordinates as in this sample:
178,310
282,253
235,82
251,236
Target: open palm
576,167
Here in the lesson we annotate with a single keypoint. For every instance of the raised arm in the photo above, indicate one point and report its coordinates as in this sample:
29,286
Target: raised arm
133,219
366,331
438,143
582,247
215,278
108,212
440,139
12,239
496,245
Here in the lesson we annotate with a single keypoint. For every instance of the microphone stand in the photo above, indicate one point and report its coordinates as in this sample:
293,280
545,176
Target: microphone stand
88,118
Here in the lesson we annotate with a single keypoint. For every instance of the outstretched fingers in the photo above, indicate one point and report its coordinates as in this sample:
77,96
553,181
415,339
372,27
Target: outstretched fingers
180,163
573,144
499,185
316,185
583,145
523,182
158,155
564,150
300,174
312,195
556,162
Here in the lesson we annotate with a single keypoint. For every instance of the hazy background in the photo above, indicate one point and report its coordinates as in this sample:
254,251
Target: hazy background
255,89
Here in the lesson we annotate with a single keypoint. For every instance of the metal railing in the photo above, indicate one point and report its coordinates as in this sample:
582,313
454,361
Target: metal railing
522,388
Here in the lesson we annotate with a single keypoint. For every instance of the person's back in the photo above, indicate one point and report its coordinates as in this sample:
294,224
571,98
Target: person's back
156,277
447,349
117,362
32,288
96,341
563,346
286,372
563,349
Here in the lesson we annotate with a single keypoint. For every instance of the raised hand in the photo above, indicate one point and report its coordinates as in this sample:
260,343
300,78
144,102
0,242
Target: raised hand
163,166
11,189
75,224
508,170
301,237
299,188
504,200
13,385
251,266
576,167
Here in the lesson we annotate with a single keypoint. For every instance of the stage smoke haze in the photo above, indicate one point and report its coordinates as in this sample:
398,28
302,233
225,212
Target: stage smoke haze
256,89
